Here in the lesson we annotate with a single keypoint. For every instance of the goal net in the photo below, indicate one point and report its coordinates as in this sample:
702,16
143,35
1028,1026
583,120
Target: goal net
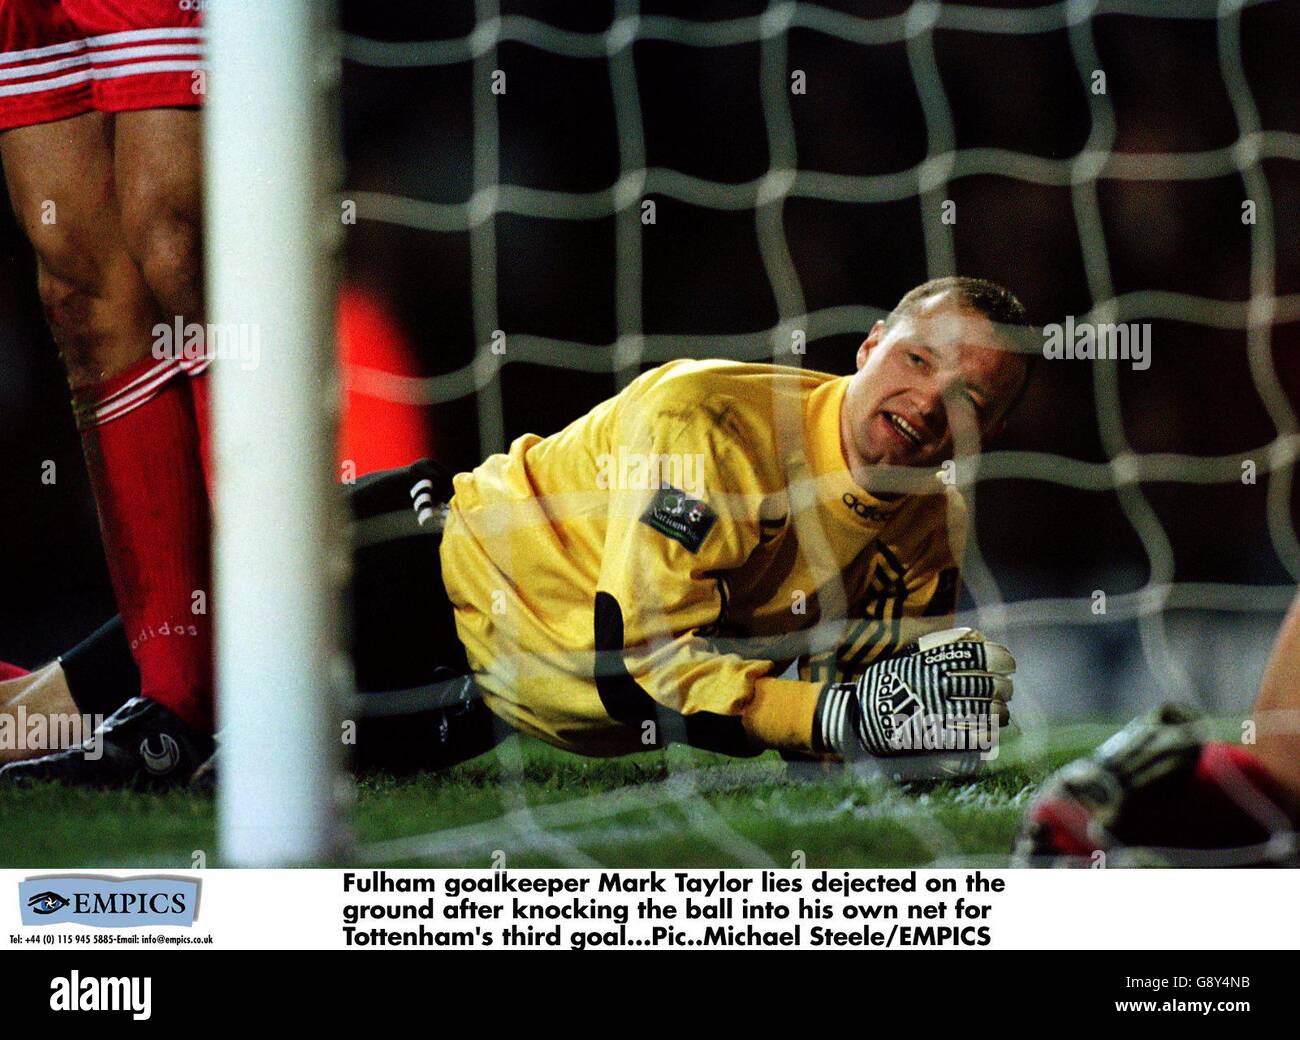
557,197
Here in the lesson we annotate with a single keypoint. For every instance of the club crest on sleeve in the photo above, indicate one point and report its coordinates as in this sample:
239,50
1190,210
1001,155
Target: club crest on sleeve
680,517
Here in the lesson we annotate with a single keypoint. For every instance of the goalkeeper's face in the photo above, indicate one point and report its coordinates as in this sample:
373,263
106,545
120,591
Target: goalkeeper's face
935,383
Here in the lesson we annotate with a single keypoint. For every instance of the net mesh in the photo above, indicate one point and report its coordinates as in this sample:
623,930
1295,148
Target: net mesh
769,200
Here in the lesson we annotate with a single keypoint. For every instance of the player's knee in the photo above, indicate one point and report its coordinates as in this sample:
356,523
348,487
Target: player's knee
69,288
166,242
74,319
68,260
96,308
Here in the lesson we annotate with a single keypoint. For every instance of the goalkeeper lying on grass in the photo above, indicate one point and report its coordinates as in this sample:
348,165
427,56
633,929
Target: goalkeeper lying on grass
646,575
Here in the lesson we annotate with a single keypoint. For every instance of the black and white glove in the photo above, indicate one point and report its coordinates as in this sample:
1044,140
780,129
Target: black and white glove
950,685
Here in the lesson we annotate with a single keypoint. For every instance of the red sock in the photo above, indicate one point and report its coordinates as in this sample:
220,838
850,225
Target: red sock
198,381
10,671
141,442
1239,775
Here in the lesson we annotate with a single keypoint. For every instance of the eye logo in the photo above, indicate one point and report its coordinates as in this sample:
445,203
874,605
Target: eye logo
46,903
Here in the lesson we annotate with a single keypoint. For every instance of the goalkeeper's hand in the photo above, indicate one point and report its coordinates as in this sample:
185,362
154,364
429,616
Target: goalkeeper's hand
951,682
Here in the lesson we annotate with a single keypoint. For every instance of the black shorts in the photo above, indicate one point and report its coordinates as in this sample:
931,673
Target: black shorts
417,704
403,632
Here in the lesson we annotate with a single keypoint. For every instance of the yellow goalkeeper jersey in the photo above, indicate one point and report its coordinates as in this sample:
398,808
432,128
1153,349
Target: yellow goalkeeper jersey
646,574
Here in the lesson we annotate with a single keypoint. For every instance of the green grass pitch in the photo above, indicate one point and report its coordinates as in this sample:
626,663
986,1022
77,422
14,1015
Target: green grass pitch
529,805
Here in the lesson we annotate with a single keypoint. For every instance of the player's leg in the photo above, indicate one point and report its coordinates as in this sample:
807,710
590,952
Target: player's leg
30,707
158,170
418,709
147,62
60,182
158,173
1277,709
146,57
92,681
429,725
136,419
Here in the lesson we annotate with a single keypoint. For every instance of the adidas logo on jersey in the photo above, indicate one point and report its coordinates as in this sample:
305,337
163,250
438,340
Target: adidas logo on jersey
876,514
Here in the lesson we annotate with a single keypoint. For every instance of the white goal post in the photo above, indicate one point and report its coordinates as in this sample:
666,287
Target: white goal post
271,170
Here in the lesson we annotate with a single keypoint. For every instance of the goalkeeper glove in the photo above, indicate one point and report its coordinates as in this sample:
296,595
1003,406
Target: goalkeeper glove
952,682
1156,793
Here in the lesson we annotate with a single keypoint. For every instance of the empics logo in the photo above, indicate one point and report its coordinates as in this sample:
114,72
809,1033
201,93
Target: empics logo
107,902
74,993
46,903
